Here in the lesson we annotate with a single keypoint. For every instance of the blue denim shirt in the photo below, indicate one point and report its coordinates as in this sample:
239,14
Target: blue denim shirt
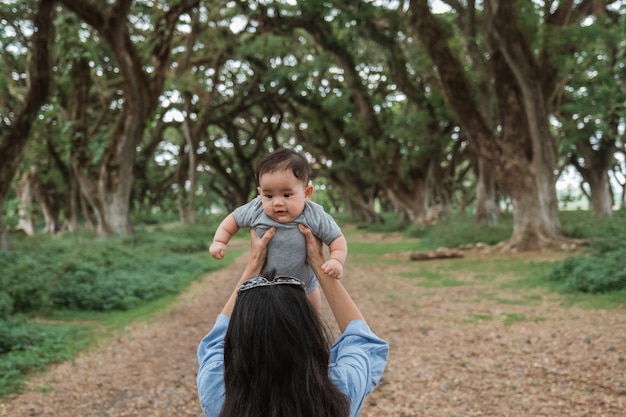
358,359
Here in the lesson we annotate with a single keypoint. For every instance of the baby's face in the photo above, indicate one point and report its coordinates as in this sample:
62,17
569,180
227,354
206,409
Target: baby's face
283,195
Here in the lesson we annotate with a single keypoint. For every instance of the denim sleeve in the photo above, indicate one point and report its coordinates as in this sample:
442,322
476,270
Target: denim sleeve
210,378
358,360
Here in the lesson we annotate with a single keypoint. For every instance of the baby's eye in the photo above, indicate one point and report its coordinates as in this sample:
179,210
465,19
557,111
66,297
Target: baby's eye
287,195
268,196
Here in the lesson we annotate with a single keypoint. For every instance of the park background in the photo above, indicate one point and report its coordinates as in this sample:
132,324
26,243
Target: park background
128,129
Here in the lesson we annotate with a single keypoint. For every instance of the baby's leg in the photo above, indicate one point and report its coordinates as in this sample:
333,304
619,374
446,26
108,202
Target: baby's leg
315,298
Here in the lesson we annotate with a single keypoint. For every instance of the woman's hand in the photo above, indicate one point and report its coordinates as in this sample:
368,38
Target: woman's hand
258,248
343,307
314,248
258,254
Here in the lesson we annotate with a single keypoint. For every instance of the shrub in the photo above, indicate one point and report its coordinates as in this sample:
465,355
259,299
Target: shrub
601,268
83,272
6,305
592,275
25,280
88,286
88,273
459,229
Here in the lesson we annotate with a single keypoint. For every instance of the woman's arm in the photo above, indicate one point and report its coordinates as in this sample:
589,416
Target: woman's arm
343,307
258,254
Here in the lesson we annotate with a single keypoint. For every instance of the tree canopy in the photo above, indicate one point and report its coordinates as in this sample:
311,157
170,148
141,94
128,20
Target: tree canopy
115,110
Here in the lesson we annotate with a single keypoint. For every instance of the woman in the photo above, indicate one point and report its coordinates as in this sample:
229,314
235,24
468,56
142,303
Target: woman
268,352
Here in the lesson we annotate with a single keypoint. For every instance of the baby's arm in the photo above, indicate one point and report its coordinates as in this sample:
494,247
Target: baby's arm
225,231
338,253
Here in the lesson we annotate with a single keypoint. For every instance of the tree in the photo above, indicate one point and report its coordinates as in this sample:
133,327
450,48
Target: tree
37,84
159,107
591,110
142,83
343,103
522,150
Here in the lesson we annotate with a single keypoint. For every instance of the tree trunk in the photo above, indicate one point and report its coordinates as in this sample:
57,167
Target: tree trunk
408,205
91,198
5,239
187,175
13,144
115,180
48,205
508,39
114,187
595,171
71,220
26,203
84,172
366,213
601,195
486,203
534,225
487,210
522,155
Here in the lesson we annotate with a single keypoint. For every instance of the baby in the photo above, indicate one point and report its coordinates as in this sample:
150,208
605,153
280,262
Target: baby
284,202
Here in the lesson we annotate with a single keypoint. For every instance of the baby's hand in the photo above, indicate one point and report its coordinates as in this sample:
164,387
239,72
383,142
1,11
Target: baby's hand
217,250
333,268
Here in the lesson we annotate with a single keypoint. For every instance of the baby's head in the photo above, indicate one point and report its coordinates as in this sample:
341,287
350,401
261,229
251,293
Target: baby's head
283,179
284,159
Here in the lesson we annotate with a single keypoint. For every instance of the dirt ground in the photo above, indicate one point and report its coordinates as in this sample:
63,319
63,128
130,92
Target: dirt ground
444,360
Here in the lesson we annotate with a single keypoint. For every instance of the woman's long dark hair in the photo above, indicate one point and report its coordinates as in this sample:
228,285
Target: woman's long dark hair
276,356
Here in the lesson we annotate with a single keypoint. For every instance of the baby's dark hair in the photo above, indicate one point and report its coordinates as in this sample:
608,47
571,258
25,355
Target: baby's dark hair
284,159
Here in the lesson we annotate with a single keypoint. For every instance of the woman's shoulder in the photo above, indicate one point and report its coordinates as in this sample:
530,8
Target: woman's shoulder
358,360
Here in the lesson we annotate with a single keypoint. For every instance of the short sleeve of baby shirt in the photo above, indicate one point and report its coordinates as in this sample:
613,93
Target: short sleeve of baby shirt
322,224
248,214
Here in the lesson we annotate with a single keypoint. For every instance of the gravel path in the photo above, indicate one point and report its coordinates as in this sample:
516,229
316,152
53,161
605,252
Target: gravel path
453,353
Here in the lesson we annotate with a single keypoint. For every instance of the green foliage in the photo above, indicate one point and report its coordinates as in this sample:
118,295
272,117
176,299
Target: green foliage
119,273
601,269
460,229
77,273
595,274
24,280
391,224
27,346
6,305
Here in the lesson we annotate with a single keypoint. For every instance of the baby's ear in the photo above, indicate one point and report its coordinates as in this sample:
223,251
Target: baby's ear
258,190
308,192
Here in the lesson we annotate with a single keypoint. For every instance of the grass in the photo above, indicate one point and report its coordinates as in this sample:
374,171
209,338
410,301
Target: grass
593,278
507,319
512,318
